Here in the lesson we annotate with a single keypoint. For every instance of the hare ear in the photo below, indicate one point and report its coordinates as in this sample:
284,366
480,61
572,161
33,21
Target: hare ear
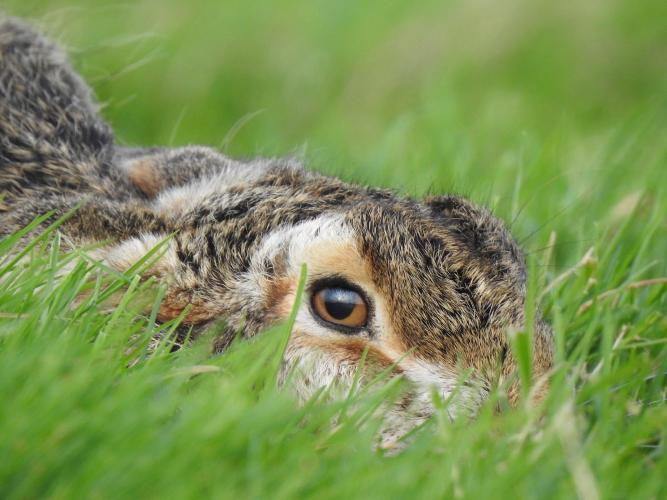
155,170
143,170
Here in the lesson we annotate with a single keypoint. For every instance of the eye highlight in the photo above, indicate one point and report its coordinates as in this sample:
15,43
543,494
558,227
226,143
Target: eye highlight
340,306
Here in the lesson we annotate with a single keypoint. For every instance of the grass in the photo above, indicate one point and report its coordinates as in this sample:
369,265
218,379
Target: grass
553,114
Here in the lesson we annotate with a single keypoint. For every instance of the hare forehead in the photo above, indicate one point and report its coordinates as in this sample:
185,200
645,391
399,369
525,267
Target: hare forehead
325,244
328,247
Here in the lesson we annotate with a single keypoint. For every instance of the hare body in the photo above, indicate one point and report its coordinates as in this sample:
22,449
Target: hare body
442,280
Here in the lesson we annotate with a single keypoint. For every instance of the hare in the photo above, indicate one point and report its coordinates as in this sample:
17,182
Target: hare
425,289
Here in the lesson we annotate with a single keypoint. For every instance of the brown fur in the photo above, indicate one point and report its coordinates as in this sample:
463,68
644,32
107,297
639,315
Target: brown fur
144,175
445,277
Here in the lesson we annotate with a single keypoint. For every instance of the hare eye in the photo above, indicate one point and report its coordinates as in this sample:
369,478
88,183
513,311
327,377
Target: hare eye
340,306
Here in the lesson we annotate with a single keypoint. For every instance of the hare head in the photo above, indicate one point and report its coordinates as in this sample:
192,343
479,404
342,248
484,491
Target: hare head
425,290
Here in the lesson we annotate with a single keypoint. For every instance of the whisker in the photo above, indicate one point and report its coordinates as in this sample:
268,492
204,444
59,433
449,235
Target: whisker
551,219
559,244
534,196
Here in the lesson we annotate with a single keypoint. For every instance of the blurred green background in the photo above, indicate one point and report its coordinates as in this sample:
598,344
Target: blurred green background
552,113
510,102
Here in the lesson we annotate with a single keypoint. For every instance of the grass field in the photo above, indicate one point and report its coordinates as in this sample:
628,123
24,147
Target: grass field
552,113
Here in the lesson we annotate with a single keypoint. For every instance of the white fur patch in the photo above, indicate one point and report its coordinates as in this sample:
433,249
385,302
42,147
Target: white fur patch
129,252
465,398
184,198
294,243
300,238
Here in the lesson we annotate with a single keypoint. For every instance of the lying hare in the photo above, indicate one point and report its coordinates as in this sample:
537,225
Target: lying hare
426,288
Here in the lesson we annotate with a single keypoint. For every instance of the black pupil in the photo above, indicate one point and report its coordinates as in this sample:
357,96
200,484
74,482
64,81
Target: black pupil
340,302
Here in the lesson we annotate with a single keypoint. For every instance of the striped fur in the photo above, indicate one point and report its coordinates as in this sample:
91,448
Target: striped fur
444,278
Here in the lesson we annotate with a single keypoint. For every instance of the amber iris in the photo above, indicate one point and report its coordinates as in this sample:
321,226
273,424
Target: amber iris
341,306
